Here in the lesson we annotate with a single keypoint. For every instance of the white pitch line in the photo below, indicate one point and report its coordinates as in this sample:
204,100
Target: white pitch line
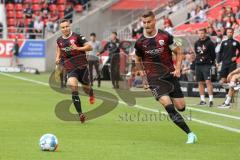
213,113
142,107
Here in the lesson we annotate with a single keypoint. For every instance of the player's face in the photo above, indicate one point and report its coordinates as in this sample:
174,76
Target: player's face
93,38
201,34
113,37
65,28
229,33
149,24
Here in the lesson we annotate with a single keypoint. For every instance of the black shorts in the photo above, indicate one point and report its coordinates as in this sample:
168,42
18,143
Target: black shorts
169,86
203,72
81,74
225,70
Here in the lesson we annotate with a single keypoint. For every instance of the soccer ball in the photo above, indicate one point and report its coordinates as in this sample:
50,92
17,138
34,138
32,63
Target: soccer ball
48,142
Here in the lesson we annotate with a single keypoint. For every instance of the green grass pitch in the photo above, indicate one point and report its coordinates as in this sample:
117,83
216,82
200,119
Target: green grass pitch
27,112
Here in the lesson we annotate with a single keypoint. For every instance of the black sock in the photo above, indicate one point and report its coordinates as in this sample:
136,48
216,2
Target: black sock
76,102
177,118
90,92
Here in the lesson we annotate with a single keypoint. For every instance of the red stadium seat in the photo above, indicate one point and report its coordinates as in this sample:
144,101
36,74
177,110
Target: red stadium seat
61,8
28,21
36,7
18,7
12,29
61,2
9,6
11,36
20,36
10,14
35,1
61,14
78,8
52,7
11,22
19,15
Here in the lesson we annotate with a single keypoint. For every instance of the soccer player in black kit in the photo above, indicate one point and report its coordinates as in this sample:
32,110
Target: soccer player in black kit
229,52
154,58
71,52
228,55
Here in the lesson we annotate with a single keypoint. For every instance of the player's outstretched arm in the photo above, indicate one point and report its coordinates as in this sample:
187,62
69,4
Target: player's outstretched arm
86,47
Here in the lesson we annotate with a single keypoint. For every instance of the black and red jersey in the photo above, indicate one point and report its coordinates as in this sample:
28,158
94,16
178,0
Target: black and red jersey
72,59
156,53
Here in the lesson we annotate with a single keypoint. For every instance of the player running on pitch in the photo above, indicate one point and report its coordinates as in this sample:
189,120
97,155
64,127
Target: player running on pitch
154,58
71,51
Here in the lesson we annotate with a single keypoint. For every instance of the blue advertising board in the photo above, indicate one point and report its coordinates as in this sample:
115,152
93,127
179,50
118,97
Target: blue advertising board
32,48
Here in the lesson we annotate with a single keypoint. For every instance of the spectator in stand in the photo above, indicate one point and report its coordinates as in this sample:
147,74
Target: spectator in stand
223,12
45,9
28,11
1,30
9,1
238,12
222,31
171,7
20,26
38,27
211,31
31,33
18,1
229,12
219,23
51,1
234,22
68,12
167,20
228,23
205,5
200,14
52,24
168,28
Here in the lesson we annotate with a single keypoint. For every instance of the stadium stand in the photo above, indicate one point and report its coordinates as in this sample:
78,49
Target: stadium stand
29,10
219,17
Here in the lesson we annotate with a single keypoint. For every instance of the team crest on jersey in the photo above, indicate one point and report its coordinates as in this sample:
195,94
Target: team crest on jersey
234,43
225,44
161,42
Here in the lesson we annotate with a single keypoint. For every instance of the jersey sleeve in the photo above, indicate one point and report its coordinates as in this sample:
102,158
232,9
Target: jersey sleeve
81,40
170,39
172,42
138,50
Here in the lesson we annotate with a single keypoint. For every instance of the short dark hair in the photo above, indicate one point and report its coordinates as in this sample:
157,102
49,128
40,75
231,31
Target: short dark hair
229,29
148,14
64,20
114,33
93,34
203,29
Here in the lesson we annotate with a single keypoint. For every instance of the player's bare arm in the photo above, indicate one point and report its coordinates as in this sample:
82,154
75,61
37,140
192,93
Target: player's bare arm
57,61
85,48
139,66
179,57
